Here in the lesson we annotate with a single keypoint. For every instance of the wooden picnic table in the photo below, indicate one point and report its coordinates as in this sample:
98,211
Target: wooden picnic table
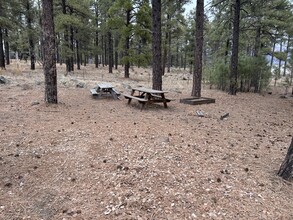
104,89
147,96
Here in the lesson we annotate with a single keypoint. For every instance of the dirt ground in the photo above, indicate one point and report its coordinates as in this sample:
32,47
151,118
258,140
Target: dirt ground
89,158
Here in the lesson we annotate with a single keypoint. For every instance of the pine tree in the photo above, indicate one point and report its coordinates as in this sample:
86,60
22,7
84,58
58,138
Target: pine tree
235,51
197,74
74,28
2,56
157,57
173,23
130,20
50,71
29,12
261,26
7,24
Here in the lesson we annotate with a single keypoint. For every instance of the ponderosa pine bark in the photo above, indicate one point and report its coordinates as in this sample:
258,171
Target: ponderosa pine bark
286,169
29,19
2,58
197,72
235,49
110,48
156,45
78,60
96,35
66,37
6,46
49,65
127,45
287,54
116,51
71,46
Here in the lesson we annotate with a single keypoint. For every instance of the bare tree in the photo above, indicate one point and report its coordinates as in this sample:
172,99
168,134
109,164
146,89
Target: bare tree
49,52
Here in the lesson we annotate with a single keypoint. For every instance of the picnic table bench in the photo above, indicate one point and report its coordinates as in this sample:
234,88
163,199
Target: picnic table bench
147,96
105,89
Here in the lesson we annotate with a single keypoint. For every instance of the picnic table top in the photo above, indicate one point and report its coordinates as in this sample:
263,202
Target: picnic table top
147,90
105,85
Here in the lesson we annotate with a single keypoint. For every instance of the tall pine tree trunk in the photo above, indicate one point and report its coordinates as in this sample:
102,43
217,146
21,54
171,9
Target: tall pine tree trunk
185,56
228,42
96,36
30,34
287,53
156,46
49,66
177,53
32,54
273,53
71,47
127,45
127,64
169,54
165,54
2,57
166,44
58,59
197,72
235,48
96,50
116,51
286,169
6,46
78,61
110,48
67,58
280,60
106,50
102,48
40,45
256,79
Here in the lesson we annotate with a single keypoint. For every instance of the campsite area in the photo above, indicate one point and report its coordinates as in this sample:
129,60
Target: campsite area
100,158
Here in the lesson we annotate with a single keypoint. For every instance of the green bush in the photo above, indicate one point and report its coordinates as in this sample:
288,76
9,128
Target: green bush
218,75
253,74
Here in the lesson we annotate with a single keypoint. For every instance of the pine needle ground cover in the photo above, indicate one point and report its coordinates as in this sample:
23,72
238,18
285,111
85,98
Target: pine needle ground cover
89,158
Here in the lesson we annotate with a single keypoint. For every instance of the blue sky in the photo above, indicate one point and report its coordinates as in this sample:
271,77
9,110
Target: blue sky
192,5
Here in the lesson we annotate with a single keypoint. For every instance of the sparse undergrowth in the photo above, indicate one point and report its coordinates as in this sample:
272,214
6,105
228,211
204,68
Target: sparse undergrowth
88,158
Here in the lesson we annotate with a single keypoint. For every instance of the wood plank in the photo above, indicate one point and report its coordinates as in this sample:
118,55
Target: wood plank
197,101
147,90
114,94
159,98
117,92
94,92
105,85
135,97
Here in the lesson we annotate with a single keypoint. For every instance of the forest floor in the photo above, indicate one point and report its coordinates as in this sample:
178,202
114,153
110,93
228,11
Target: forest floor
89,158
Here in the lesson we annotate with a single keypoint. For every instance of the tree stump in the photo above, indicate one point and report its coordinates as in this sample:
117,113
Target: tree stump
286,169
